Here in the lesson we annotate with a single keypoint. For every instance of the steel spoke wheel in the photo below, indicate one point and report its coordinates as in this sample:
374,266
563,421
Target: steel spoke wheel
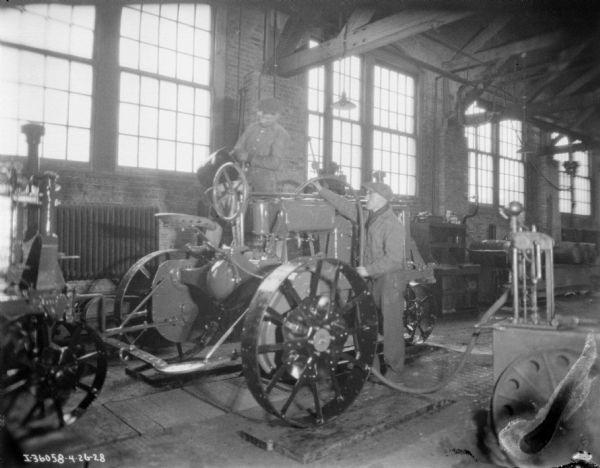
133,297
51,372
308,340
231,192
420,315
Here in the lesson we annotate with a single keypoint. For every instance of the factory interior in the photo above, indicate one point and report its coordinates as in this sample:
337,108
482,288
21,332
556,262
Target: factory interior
159,307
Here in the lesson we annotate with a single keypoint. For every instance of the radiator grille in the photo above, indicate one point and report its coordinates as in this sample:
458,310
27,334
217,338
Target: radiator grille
107,238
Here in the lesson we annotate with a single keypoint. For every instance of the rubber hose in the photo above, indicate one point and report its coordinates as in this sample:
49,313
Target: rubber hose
484,319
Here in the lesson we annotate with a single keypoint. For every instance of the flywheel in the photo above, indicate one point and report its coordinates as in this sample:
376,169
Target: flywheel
309,340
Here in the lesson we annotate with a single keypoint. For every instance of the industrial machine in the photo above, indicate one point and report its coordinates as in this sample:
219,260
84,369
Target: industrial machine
282,299
545,401
52,366
285,293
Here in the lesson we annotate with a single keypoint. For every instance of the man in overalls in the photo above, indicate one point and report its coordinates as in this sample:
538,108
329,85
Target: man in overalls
384,259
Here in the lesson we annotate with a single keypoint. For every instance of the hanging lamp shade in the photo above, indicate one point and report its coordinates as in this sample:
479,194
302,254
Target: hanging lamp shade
343,103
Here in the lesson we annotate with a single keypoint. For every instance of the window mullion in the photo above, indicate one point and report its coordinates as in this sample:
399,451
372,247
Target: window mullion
328,116
105,104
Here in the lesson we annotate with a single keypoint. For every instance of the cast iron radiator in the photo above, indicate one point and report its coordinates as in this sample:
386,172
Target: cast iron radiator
107,238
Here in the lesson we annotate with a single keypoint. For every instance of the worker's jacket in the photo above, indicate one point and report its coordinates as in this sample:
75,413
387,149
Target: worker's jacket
384,246
266,146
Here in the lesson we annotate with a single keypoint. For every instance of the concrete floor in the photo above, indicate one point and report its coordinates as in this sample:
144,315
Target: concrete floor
197,423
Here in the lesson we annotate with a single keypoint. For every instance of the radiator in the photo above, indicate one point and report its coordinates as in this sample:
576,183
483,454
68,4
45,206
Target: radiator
108,239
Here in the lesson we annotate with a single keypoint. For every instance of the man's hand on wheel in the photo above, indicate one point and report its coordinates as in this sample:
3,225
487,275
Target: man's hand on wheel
317,185
362,271
241,156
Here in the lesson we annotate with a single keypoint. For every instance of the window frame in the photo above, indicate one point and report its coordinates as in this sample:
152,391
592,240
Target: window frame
365,119
69,59
571,181
496,157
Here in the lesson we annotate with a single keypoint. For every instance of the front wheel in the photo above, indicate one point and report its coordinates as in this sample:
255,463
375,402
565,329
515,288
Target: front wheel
309,340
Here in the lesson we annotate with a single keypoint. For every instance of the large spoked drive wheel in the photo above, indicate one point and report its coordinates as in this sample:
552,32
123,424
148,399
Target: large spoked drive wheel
50,374
309,340
231,192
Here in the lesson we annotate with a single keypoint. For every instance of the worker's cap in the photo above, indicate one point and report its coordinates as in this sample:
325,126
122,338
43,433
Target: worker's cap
379,187
270,106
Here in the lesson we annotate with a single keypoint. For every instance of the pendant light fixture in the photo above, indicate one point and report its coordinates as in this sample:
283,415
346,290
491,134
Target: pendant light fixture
343,103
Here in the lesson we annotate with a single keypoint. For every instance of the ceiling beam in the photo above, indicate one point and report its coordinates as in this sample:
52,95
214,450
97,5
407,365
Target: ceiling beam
580,82
567,57
359,17
483,36
518,47
563,103
371,36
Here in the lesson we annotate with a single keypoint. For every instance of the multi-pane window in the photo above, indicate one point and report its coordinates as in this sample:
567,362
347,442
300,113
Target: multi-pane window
165,100
481,163
394,147
575,195
346,137
336,133
511,170
495,160
46,77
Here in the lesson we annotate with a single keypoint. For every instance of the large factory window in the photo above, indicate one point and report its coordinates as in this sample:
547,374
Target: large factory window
511,170
46,76
495,160
394,146
165,98
346,137
335,132
481,160
575,182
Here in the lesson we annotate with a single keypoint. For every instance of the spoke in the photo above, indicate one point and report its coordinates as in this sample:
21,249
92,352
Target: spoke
19,375
144,271
290,294
276,378
352,303
314,279
336,386
352,359
318,408
228,178
59,412
36,406
297,386
87,356
273,316
334,283
269,348
85,387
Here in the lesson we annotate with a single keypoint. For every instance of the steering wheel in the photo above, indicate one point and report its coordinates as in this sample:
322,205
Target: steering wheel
361,224
231,192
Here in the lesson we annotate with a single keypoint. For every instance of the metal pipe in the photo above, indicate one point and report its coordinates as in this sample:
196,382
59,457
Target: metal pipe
524,282
536,270
515,284
549,285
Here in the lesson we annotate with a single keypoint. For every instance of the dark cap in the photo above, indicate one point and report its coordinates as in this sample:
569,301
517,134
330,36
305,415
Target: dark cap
379,187
270,106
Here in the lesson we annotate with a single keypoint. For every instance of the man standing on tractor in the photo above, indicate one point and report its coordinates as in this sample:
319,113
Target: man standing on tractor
383,261
262,146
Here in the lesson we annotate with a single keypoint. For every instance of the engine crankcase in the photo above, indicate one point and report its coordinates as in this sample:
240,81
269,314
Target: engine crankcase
173,308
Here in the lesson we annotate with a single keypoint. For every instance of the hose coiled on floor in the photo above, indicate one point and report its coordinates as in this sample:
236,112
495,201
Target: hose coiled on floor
477,330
